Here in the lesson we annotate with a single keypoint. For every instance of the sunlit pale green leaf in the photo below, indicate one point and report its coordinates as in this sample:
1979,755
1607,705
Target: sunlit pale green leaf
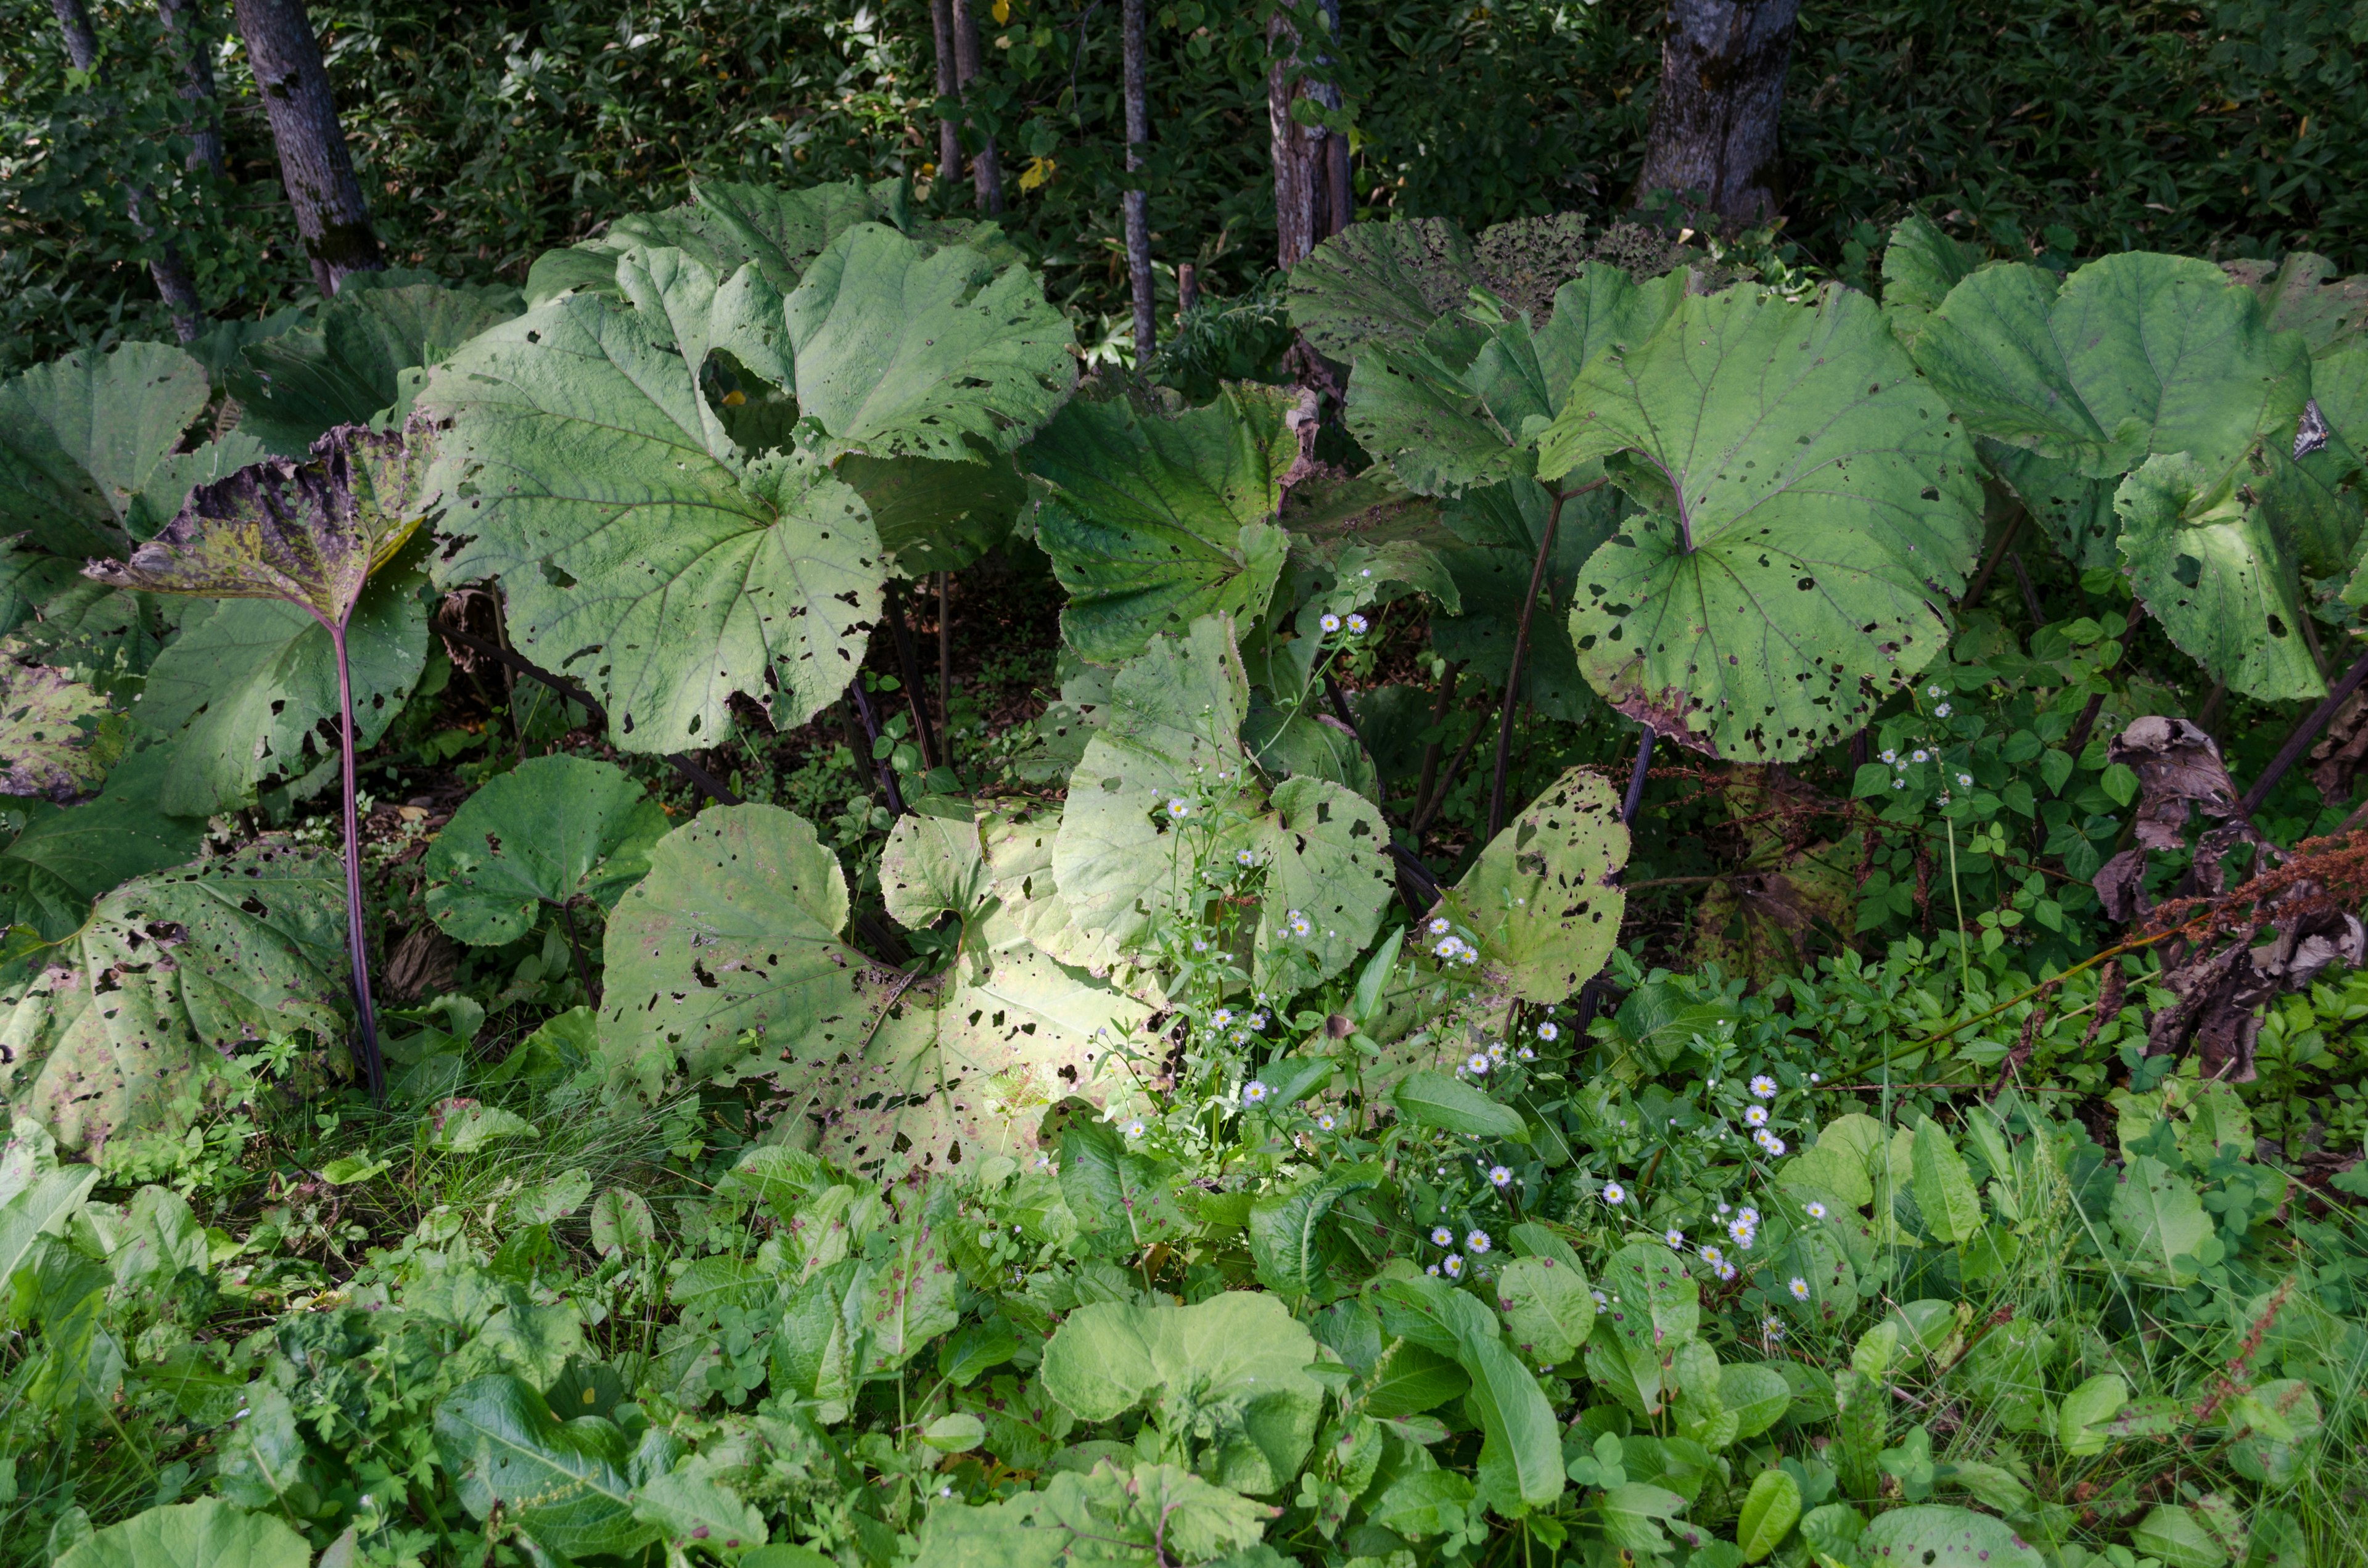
554,831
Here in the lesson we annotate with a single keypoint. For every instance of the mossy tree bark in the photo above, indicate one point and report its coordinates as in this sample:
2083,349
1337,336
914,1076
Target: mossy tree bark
314,164
1712,141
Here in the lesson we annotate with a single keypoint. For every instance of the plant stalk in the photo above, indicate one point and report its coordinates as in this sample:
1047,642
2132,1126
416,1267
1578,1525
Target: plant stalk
1513,671
908,665
357,939
885,767
1634,800
576,950
2299,742
946,657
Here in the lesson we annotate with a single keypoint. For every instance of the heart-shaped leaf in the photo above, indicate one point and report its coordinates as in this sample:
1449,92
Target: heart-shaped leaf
297,386
550,831
82,439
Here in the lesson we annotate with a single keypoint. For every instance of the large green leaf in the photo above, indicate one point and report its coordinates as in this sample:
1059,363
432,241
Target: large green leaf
552,831
1434,1099
348,369
734,928
63,858
638,548
1548,1307
937,1087
1149,1516
82,437
57,736
933,865
1447,420
1239,1348
207,1533
2076,510
247,697
1809,508
2132,355
1545,896
169,975
1286,1229
29,580
1522,1442
1941,1536
2161,1220
1920,264
2213,566
1500,531
1154,516
905,352
1171,738
933,516
561,1481
2302,294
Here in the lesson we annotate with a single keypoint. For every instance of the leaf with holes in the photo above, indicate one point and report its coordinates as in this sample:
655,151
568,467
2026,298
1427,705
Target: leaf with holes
554,831
105,1026
1154,516
1808,509
933,865
349,368
57,736
734,928
61,860
1543,896
1498,532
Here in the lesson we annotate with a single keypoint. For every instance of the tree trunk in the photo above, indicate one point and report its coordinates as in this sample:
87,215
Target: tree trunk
1340,191
1298,149
182,20
166,269
1713,135
941,20
986,169
1138,201
314,164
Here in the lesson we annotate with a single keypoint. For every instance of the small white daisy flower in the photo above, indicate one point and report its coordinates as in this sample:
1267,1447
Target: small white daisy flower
1763,1087
1816,1077
1221,1018
1245,856
1815,1209
1498,1177
1254,1092
1899,783
1495,1050
1757,1115
1331,623
1964,781
1601,1299
1800,1289
1890,754
1769,1141
1257,1022
1180,808
1470,955
1432,1271
1478,1241
1448,946
1441,1236
1614,1194
1298,923
1942,711
1439,925
1933,690
1748,1214
1476,1062
1526,1055
1200,944
1675,1237
1741,1234
1918,754
1356,626
1771,1330
1727,1271
1549,1031
1133,1129
1713,1257
1453,1266
1326,1121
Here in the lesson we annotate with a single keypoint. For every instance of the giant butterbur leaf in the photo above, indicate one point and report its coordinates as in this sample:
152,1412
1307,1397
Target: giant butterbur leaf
1920,264
82,437
1156,516
1809,507
1151,1516
2302,294
735,928
207,1533
1543,895
297,386
1498,532
57,736
552,831
167,974
1166,791
1235,1348
61,860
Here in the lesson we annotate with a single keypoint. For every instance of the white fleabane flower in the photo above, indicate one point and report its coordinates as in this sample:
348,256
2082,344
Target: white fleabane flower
1713,1257
1432,1271
1200,944
1221,1018
1298,923
1133,1129
1727,1271
1763,1087
1245,856
1331,623
1356,626
1257,1022
1326,1121
1442,1237
1180,808
1942,711
1478,1241
1439,925
1918,754
1899,783
1890,753
1495,1050
1964,781
1453,1266
1470,955
1254,1092
1748,1214
1769,1141
1815,1210
1933,690
1499,1176
1549,1031
1741,1234
1800,1289
1614,1194
1476,1062
1675,1237
1757,1115
1526,1055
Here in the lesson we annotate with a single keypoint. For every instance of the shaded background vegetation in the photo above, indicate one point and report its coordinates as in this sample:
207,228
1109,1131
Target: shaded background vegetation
488,133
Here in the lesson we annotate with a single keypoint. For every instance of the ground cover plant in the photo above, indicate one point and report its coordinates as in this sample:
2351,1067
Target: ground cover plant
1711,920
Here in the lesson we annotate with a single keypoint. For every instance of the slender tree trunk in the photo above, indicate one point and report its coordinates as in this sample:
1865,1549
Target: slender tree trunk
188,28
941,19
1187,289
314,164
1138,201
166,269
986,169
1298,149
1714,132
1340,191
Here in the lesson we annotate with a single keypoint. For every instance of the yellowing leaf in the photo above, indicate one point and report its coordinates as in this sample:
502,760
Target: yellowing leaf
1001,11
1039,171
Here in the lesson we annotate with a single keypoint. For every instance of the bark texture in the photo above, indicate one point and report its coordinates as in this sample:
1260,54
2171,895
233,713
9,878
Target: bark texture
1340,191
1298,149
987,168
941,22
1138,201
197,89
314,164
167,271
1714,132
